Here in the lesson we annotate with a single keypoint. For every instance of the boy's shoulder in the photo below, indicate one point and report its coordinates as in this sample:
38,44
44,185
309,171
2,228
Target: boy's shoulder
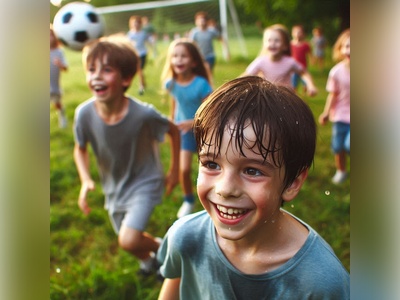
191,224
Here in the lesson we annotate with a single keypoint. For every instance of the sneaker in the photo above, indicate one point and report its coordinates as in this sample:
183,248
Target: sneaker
148,266
185,209
62,121
339,177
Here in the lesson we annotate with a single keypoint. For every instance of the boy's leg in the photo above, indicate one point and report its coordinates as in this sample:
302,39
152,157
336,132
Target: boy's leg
62,120
138,243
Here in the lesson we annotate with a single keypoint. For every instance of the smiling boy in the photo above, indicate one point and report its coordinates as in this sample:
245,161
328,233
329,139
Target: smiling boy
124,134
256,143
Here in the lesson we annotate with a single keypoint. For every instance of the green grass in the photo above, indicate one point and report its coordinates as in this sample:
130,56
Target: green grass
85,261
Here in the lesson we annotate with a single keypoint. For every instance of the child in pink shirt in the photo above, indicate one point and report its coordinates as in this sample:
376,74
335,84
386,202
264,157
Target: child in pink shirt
337,106
275,63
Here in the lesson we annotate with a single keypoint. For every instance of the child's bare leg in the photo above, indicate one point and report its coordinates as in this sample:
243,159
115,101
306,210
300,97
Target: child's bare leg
138,243
186,183
340,161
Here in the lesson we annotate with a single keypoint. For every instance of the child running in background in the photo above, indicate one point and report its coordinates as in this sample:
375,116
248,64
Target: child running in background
301,50
275,62
187,80
318,43
204,34
124,134
139,38
58,63
337,106
255,142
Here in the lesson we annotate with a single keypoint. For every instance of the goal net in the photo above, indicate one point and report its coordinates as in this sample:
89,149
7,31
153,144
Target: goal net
175,18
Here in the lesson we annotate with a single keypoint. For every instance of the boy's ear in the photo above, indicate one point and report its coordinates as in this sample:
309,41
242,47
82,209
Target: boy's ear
291,192
126,82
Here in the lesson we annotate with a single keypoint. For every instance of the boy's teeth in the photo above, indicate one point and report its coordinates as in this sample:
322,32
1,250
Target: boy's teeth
230,213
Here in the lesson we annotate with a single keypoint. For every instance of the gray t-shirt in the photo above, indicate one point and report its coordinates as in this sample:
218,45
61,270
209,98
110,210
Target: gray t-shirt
56,53
190,251
204,40
127,152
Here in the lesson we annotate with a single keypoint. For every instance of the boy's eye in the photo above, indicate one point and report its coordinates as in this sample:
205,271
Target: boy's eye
253,172
210,165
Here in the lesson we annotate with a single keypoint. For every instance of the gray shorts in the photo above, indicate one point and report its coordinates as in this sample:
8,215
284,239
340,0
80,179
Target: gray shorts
139,212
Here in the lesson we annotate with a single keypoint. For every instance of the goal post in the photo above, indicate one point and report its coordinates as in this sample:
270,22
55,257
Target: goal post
171,21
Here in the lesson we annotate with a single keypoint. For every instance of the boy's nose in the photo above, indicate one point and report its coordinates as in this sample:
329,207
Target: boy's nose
227,186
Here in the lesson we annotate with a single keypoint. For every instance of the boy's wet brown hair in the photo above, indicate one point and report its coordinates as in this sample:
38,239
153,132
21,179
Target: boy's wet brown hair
118,50
283,123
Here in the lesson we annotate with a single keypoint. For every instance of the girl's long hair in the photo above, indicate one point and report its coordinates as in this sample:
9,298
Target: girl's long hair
200,68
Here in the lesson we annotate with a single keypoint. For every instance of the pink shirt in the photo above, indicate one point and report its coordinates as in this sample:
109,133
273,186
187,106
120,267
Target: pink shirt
339,82
275,71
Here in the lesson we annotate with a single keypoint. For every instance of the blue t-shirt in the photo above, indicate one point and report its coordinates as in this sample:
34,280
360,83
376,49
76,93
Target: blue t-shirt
190,251
188,97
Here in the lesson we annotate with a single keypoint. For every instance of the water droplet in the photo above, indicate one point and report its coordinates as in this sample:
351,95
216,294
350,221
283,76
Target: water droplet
58,270
297,122
327,192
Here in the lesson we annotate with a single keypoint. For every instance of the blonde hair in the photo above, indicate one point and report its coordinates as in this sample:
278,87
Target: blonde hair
337,53
285,35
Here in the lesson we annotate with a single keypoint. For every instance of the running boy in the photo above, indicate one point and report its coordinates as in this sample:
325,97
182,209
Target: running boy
256,143
123,133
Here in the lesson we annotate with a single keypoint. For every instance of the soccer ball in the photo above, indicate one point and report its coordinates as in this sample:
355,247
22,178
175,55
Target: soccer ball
77,23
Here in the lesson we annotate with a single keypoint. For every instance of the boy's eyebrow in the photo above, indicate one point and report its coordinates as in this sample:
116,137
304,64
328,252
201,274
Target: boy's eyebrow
261,162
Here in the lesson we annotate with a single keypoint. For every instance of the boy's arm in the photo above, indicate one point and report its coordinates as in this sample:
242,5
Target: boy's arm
172,178
170,289
81,157
324,117
311,88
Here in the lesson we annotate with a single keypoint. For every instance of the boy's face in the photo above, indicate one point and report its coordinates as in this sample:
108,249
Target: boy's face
105,81
201,22
297,33
242,194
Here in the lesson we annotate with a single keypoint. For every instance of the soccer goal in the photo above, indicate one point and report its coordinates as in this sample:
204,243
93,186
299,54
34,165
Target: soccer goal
175,18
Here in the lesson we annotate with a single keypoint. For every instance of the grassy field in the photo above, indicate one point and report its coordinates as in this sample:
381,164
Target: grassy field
85,261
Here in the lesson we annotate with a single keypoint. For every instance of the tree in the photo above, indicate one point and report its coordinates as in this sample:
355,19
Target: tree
332,15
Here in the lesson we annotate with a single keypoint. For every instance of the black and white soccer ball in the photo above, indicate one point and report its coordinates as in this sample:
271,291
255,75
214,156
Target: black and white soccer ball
77,23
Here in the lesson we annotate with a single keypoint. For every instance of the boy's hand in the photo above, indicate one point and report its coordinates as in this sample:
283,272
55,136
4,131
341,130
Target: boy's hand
171,181
87,186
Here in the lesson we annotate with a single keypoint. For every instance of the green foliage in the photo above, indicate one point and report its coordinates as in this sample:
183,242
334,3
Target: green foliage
85,261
